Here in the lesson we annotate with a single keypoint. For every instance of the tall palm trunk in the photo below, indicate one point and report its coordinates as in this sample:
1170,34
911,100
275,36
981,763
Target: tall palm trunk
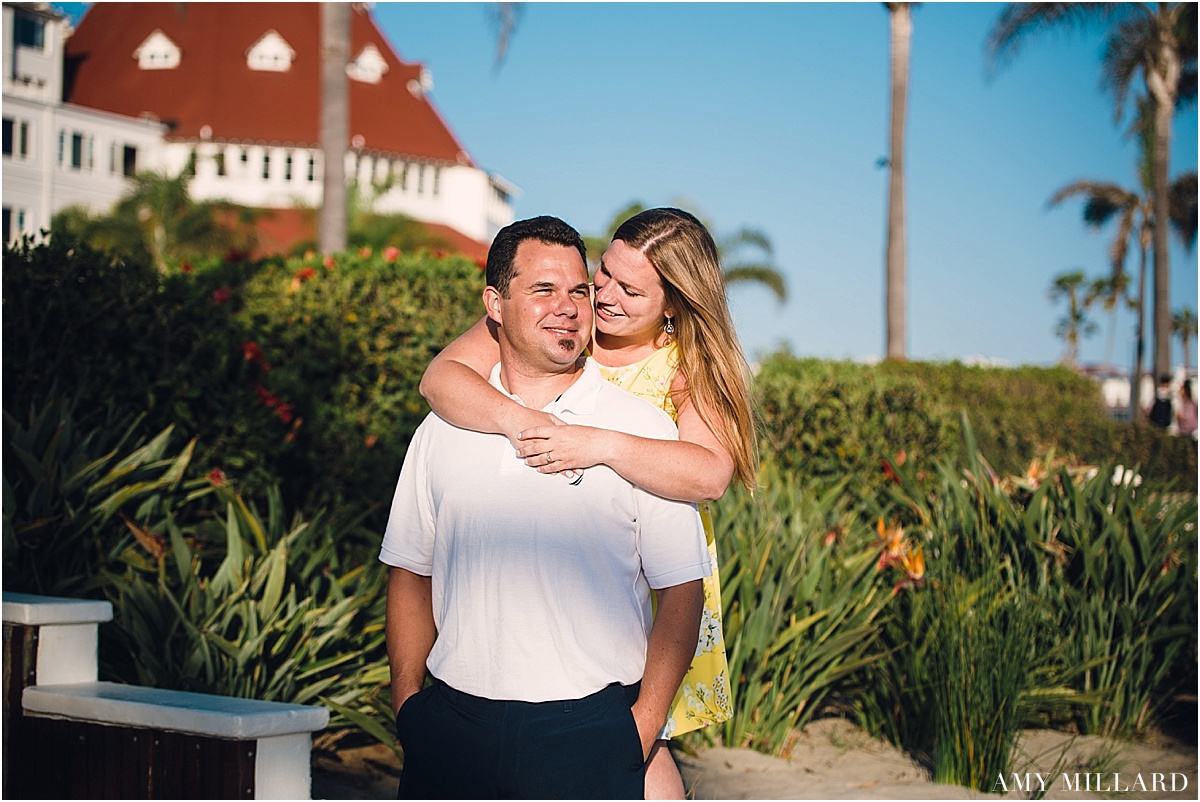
335,123
1162,80
895,303
1135,387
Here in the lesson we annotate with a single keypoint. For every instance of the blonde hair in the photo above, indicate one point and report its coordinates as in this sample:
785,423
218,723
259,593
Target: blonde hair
718,379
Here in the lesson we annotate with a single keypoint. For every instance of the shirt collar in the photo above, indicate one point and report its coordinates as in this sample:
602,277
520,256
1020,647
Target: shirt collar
580,398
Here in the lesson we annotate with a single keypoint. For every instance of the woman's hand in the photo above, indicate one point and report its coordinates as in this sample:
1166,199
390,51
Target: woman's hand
517,419
564,448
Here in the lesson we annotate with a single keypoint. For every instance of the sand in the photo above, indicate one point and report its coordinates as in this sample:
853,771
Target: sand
832,759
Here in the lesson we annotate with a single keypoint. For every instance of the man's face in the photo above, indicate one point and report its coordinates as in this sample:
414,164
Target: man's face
546,320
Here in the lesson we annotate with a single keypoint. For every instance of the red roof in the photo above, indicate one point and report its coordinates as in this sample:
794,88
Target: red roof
277,230
214,87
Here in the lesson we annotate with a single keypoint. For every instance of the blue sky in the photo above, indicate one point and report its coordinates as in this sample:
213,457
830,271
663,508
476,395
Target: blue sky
773,116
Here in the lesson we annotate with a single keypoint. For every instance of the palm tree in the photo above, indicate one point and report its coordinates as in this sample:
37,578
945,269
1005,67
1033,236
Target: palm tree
1183,323
895,261
737,271
1156,40
158,220
1111,292
335,123
1134,211
1075,323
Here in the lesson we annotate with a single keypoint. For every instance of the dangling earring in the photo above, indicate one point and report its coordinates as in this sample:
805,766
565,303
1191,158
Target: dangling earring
669,329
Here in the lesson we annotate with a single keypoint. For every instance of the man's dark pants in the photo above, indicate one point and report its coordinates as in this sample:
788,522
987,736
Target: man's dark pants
458,746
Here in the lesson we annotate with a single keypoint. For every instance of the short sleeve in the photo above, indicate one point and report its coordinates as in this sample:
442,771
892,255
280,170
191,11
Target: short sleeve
671,541
408,538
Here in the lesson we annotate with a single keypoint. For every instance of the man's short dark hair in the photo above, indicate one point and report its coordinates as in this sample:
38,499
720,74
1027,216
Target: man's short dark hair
545,229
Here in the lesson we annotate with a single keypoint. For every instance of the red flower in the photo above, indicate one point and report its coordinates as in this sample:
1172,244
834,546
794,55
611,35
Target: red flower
329,263
305,273
252,353
391,253
187,268
222,295
216,476
889,470
482,263
284,410
266,397
371,439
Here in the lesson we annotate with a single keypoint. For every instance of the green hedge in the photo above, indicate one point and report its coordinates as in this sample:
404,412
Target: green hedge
301,373
827,420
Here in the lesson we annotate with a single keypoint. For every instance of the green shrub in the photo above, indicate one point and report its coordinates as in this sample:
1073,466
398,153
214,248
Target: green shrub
290,373
208,593
1100,572
800,596
827,421
64,485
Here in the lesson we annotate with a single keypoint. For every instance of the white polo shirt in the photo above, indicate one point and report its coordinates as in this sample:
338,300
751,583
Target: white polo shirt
541,586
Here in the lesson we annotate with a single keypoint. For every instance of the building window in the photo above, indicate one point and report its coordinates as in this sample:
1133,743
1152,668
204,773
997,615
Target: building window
219,160
287,167
266,173
158,52
369,66
31,32
7,225
437,180
16,138
420,179
129,161
399,173
8,136
312,168
271,53
77,150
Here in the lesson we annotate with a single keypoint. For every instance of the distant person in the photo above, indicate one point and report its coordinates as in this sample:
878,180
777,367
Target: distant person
1161,410
664,333
526,595
1185,418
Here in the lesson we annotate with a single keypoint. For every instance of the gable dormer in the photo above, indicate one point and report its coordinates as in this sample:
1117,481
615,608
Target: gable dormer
158,52
271,53
368,66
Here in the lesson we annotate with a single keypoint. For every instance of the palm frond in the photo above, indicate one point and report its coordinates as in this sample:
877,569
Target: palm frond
766,275
1125,55
1021,21
746,237
1183,208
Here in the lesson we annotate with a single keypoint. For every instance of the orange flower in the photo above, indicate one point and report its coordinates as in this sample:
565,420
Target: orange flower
365,252
891,544
391,253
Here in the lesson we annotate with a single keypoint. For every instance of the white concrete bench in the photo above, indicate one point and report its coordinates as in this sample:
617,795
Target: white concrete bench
144,719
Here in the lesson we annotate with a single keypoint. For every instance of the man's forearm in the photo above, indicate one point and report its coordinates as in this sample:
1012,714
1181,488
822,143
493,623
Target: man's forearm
410,632
669,652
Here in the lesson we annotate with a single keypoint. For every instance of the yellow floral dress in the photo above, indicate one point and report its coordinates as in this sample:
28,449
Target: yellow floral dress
703,698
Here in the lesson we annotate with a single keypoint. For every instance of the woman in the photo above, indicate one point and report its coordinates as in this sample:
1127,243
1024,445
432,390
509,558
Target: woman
663,332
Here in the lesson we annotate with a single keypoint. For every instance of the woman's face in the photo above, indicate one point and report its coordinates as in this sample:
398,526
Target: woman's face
630,302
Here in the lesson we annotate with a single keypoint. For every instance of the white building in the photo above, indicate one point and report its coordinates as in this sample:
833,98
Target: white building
236,87
57,154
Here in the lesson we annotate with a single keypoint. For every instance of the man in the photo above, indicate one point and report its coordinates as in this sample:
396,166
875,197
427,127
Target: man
1161,412
526,595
